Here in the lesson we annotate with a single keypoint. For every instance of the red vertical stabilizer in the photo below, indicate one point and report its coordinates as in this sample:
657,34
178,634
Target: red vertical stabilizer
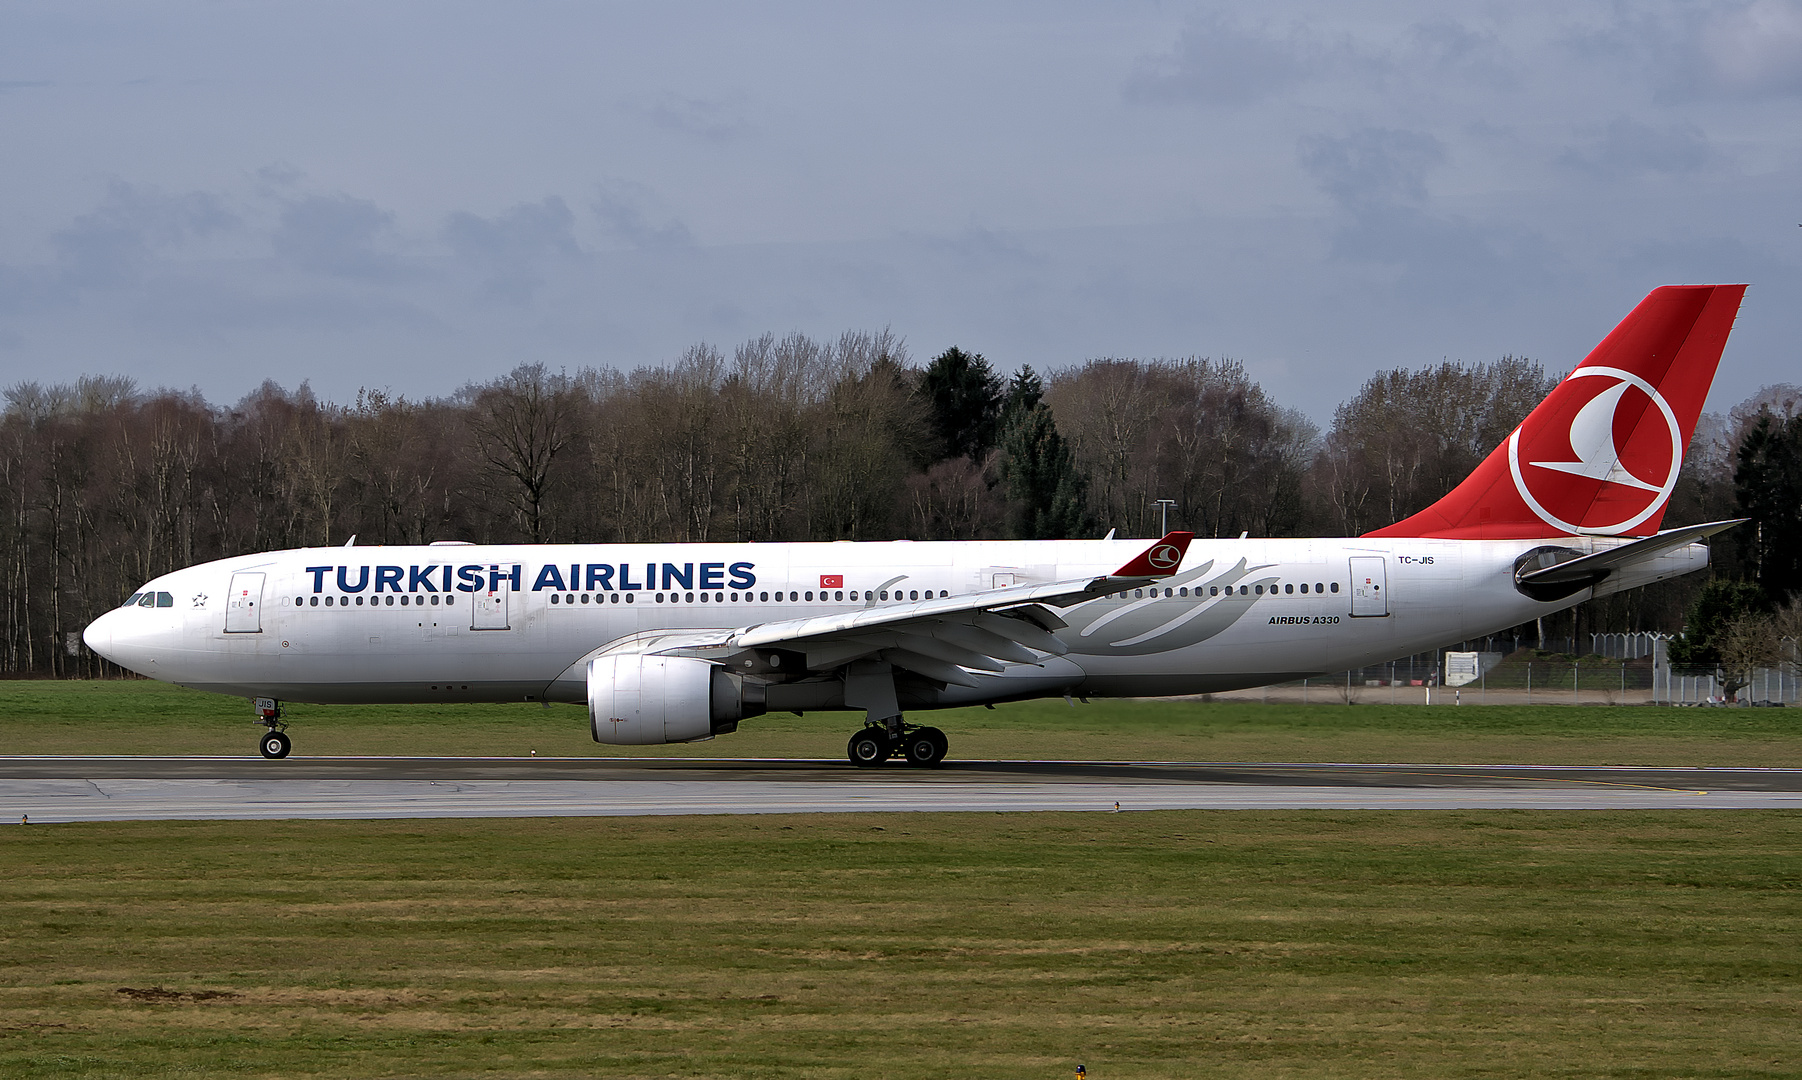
1600,455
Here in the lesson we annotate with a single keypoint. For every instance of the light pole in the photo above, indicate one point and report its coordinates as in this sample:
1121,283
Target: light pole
1164,505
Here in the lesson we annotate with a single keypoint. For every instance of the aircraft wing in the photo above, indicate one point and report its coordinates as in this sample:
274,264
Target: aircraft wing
943,639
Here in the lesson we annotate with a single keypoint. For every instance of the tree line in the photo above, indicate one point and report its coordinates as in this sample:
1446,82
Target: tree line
106,485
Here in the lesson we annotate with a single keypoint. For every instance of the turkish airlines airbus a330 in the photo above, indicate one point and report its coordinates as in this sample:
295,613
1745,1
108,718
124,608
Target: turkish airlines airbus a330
678,642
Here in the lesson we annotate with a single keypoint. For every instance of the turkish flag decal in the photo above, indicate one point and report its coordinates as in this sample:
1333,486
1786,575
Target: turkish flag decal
832,581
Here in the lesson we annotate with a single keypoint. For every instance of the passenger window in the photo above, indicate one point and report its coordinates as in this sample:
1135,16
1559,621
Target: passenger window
689,597
883,594
836,595
1288,588
1182,592
1335,586
1214,590
1304,586
328,601
1260,590
359,601
810,596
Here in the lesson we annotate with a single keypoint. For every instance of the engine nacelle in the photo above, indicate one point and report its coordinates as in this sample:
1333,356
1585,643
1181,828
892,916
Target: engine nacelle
639,700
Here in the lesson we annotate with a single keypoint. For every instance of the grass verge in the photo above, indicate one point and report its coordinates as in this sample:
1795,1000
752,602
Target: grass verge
137,717
1394,944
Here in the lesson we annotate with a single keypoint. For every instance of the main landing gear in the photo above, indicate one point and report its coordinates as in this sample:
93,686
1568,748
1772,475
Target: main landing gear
922,747
870,686
273,744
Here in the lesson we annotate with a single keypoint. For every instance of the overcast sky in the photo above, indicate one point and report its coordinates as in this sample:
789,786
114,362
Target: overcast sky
413,196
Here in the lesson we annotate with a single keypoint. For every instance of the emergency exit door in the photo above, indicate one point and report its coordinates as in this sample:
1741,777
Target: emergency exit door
1370,586
244,605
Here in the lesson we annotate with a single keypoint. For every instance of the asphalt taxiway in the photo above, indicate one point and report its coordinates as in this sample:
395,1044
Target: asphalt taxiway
60,789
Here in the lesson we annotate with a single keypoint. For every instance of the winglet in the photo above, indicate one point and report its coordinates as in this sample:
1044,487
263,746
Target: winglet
1160,559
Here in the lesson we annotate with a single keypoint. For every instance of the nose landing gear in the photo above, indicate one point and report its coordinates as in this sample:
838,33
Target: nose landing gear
275,745
269,715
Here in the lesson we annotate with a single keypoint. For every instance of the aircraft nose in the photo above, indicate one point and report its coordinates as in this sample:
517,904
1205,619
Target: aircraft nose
99,634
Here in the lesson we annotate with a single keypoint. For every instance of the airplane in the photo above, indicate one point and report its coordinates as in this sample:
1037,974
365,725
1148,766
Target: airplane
670,643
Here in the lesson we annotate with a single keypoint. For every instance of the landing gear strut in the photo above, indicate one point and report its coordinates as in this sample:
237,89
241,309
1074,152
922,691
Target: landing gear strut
273,744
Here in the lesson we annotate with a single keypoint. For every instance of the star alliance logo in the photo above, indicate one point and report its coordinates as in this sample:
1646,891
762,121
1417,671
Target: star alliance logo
200,600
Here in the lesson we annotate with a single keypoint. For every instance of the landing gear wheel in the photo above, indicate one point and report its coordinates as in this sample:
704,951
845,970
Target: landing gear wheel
925,747
868,748
275,745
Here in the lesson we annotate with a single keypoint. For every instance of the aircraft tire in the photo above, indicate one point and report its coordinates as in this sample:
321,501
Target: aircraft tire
275,745
925,747
868,749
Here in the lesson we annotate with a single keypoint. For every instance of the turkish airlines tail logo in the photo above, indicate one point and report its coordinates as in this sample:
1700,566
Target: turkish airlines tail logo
1592,441
1602,453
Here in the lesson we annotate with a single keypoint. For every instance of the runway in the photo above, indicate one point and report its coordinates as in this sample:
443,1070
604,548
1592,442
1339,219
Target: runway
64,789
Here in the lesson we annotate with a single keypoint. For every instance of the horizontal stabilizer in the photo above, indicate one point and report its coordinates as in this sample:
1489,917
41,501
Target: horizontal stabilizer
1586,570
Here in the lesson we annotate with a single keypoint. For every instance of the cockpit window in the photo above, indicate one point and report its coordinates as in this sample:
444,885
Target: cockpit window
164,599
132,599
148,601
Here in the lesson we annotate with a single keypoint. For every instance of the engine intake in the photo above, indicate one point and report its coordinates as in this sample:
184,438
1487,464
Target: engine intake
640,700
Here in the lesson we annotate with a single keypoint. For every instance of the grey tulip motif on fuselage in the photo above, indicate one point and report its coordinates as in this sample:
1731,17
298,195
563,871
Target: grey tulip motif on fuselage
1157,623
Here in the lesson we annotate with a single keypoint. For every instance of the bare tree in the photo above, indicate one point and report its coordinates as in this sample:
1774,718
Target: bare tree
522,421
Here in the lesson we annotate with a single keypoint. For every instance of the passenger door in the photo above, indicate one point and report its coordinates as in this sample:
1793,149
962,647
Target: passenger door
1370,586
244,604
488,609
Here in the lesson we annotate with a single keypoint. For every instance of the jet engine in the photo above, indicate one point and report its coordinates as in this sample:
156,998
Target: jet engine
640,700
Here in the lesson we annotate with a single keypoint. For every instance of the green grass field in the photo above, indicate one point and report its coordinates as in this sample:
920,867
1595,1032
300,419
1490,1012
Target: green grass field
136,717
1196,944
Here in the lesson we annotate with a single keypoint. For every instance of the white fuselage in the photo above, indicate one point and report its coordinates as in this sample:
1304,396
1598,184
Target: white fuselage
449,623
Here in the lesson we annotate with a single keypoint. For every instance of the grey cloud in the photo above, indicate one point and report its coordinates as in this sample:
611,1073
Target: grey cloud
621,208
1625,147
1372,167
510,247
1218,62
1377,176
1755,48
711,120
111,244
336,235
